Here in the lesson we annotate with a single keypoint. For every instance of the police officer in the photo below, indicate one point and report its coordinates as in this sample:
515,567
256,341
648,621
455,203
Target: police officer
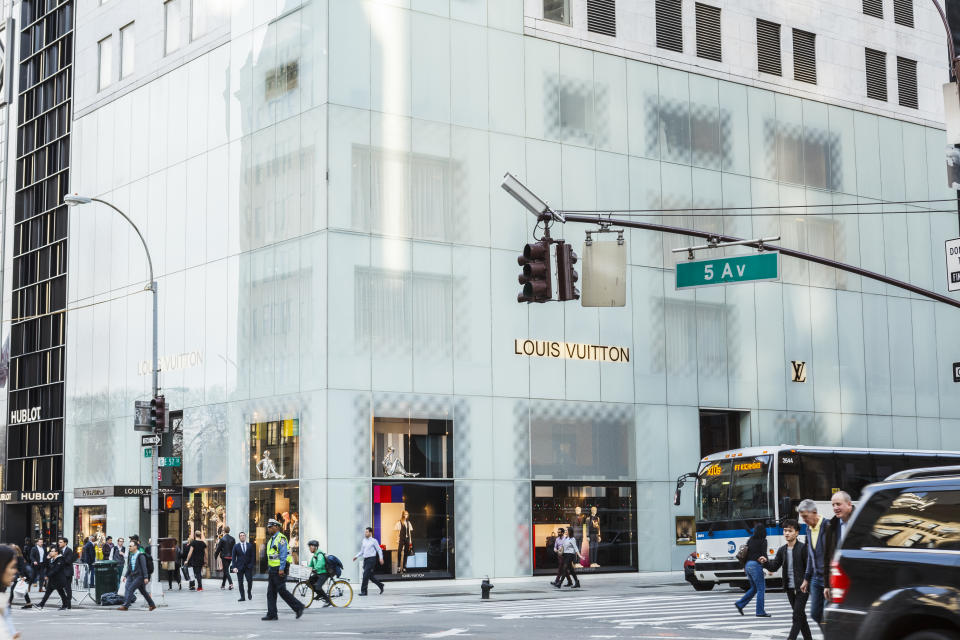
277,560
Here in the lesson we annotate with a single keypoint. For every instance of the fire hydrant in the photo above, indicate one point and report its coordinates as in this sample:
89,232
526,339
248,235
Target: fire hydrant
485,587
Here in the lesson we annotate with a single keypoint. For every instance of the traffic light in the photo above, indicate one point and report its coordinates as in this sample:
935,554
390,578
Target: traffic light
158,414
170,502
566,273
535,278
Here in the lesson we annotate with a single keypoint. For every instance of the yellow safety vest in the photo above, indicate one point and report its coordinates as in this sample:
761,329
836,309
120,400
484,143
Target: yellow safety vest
273,551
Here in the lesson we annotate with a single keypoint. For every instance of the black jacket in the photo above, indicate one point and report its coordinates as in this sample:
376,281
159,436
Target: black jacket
225,549
88,555
831,542
60,572
799,563
756,548
37,555
248,560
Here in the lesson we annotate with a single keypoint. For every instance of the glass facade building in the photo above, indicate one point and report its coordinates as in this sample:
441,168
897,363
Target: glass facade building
319,185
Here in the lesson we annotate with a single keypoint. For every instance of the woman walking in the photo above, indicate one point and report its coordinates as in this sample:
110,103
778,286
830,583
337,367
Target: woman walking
23,574
571,555
756,558
8,572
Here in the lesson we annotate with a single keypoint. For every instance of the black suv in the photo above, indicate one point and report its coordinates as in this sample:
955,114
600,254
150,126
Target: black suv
897,572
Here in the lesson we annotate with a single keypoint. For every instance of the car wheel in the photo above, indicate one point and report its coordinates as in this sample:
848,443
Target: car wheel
703,586
933,634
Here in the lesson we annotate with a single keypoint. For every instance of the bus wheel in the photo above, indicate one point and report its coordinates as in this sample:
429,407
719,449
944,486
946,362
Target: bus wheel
703,586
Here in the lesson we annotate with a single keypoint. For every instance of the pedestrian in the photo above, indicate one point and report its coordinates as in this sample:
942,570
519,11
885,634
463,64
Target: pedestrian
558,551
196,556
756,555
318,572
8,572
59,575
23,575
224,551
88,555
278,558
836,526
792,558
69,557
137,577
571,554
108,548
120,556
244,559
38,563
172,567
369,549
813,579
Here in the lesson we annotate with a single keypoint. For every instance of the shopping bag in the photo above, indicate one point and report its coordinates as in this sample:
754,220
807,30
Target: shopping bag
21,588
187,573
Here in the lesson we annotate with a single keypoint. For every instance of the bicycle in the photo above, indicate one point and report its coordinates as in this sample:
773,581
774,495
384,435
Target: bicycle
338,589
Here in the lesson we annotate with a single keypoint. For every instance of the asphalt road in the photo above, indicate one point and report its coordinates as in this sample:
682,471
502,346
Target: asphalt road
607,607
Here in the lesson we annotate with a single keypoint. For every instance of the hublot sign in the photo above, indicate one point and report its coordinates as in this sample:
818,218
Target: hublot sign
30,496
21,416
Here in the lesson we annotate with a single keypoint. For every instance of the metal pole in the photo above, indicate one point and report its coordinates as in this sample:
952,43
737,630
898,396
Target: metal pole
793,253
156,590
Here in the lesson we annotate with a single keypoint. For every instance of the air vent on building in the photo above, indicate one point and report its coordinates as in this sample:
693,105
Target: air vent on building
804,56
669,25
768,47
876,74
907,82
708,32
602,17
873,8
903,12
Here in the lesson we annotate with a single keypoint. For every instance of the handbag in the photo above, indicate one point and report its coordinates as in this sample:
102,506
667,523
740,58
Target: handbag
21,588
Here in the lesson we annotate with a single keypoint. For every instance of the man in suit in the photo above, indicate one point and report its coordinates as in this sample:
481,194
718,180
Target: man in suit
792,558
224,551
137,577
88,555
59,575
69,557
836,526
38,562
244,561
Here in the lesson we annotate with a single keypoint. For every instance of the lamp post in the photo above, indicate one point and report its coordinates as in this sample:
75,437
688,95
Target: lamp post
155,590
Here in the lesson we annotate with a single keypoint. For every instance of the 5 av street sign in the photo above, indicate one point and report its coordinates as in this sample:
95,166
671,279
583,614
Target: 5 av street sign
732,270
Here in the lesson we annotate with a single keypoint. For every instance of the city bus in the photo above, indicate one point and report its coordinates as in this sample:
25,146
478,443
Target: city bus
739,489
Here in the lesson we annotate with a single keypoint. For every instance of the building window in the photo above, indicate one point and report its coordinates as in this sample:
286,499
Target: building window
275,450
205,16
669,25
413,521
105,54
557,11
903,12
768,47
719,431
708,32
602,17
89,521
171,20
281,502
127,47
408,448
907,82
804,56
281,80
873,8
876,63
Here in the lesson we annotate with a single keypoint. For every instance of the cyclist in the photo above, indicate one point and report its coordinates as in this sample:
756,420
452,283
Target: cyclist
319,575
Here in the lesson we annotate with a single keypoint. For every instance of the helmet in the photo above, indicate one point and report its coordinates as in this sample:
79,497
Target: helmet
273,523
313,543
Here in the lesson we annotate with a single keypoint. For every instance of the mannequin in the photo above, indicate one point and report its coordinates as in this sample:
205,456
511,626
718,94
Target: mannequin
593,528
579,525
404,531
393,467
267,468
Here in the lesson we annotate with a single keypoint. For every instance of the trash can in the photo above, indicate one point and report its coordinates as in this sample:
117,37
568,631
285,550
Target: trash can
106,579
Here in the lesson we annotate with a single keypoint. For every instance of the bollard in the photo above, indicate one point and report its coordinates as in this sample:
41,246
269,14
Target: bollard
485,587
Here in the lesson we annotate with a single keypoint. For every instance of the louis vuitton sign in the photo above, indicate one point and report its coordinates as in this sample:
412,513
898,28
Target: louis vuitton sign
571,350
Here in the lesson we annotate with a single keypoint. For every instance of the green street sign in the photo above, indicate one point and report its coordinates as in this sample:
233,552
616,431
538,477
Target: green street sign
148,452
732,270
168,462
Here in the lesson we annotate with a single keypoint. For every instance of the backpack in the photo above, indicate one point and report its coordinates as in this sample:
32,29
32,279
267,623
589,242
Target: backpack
113,599
334,566
742,555
149,563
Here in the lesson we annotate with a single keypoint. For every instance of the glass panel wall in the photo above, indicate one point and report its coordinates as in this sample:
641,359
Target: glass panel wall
414,523
88,521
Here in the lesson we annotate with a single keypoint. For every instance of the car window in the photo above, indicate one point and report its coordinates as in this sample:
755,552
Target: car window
909,518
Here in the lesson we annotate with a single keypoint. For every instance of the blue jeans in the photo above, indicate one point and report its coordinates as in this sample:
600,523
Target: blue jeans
758,586
816,598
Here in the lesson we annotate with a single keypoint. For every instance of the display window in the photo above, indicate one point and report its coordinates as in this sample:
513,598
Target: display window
603,517
204,510
89,521
413,521
282,503
412,448
275,450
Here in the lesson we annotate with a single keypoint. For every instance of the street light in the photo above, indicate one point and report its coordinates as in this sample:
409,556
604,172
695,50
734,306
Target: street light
529,199
75,200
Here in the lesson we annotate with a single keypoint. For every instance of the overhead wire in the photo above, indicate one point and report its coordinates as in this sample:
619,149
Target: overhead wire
687,210
77,307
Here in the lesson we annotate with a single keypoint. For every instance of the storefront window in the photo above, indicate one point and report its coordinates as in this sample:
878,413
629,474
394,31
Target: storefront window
204,510
568,444
405,448
414,523
603,518
275,450
88,521
282,503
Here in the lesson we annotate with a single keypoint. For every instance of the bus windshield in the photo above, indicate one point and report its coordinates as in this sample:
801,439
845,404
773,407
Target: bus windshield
737,489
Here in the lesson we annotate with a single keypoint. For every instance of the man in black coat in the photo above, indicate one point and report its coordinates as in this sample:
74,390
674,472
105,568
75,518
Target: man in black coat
59,575
88,555
69,557
224,551
37,556
836,526
244,561
792,558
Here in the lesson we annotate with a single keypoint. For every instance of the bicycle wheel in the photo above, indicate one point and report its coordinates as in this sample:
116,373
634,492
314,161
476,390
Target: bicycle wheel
303,592
341,593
